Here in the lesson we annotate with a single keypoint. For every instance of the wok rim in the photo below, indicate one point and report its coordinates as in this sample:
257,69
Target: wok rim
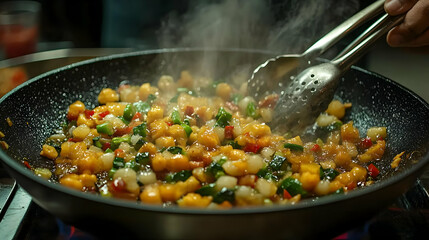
306,203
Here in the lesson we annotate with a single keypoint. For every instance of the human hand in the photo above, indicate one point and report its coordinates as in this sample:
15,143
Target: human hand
414,30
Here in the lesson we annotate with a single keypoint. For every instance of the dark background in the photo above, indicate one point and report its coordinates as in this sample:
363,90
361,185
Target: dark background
84,24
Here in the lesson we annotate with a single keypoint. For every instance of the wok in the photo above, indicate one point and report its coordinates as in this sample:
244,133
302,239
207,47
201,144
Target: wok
38,107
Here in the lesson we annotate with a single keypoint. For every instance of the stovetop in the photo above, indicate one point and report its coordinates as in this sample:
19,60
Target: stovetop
407,218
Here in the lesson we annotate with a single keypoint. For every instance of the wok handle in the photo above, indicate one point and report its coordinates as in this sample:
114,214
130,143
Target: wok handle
342,30
361,44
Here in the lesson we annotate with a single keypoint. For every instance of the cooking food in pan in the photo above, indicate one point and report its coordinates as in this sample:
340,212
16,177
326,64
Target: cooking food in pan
39,106
168,143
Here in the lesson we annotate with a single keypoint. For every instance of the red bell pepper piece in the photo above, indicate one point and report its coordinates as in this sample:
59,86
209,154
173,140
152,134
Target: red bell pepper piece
89,113
366,143
136,116
286,194
26,164
351,186
229,132
315,148
103,114
106,146
373,170
252,147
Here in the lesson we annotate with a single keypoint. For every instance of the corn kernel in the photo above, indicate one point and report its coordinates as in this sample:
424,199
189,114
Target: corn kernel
49,152
164,142
151,195
75,109
156,112
108,95
195,200
158,129
224,91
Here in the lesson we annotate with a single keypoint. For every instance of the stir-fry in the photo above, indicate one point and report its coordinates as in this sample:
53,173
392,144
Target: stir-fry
168,144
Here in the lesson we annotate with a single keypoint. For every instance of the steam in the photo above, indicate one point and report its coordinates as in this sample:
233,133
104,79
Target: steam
286,26
280,26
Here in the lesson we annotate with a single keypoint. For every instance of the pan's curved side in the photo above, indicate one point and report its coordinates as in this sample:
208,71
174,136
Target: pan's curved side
111,221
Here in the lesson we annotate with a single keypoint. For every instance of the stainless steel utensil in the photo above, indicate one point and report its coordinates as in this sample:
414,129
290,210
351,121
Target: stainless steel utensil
311,91
271,76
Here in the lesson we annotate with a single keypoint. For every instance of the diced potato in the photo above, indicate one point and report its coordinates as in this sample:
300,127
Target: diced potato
235,168
129,176
147,177
337,109
266,114
43,173
226,182
224,91
265,187
254,163
75,109
81,132
107,159
349,132
325,120
108,95
376,133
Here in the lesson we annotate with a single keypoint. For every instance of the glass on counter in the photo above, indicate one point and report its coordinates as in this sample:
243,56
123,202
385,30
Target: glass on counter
19,23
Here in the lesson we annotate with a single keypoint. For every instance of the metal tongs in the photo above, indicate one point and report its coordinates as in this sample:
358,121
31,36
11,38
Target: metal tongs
304,97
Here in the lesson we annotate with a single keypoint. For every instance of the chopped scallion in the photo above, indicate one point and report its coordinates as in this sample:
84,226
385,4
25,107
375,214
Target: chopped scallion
251,110
118,140
187,128
292,185
178,176
118,163
175,117
223,117
294,147
143,158
140,130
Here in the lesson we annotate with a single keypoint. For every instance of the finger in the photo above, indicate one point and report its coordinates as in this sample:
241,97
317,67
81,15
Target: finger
415,23
396,7
421,40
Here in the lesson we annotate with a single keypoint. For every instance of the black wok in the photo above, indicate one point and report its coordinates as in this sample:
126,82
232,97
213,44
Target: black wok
38,107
